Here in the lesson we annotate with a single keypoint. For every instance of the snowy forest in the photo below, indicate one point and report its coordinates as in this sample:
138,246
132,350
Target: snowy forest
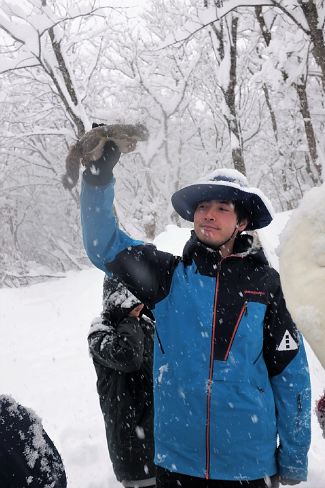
234,83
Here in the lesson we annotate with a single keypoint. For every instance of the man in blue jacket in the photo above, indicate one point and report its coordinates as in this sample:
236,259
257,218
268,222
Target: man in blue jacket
231,381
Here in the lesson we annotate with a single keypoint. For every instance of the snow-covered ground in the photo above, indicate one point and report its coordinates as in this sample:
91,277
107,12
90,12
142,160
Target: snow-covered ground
45,365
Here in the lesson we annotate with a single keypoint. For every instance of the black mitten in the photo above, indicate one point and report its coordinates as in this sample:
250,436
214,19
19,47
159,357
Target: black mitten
100,172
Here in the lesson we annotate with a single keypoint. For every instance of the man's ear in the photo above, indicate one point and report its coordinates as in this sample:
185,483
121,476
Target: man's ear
241,226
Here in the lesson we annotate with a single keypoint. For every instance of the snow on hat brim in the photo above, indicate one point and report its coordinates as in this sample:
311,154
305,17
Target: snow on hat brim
186,200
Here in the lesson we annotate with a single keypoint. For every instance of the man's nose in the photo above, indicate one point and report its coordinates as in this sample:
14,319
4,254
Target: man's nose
209,215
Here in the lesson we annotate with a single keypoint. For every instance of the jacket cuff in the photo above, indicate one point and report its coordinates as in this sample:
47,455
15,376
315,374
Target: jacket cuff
293,473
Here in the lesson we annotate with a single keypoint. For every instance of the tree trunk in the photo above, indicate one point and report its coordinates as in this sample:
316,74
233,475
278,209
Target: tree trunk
267,39
309,9
230,98
316,34
233,123
309,131
68,84
284,179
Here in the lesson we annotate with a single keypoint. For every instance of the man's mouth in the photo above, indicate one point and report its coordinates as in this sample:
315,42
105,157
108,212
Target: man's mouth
209,228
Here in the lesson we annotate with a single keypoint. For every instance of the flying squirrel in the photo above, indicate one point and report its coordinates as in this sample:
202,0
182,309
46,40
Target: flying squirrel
91,145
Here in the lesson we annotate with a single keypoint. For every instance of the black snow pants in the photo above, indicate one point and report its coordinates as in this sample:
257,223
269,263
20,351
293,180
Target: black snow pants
167,479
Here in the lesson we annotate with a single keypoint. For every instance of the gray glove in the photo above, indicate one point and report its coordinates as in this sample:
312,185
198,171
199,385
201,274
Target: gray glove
276,480
285,481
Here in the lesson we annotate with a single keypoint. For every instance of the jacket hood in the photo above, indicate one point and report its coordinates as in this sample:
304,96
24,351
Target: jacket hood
228,185
118,299
116,295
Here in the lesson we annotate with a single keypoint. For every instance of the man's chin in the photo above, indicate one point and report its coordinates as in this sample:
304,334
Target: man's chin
210,242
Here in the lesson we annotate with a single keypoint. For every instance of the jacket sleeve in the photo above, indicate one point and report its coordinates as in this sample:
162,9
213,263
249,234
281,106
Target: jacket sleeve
102,238
287,365
145,271
119,347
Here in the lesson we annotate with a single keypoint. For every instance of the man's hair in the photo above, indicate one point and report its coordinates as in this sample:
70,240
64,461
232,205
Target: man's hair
241,212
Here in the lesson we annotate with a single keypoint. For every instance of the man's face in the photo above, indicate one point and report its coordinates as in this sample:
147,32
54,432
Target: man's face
215,221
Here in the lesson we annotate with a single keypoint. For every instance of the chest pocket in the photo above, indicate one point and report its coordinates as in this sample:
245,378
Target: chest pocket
243,345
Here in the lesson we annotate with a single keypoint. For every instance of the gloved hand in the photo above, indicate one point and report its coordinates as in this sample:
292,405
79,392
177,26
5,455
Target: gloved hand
100,172
277,480
285,481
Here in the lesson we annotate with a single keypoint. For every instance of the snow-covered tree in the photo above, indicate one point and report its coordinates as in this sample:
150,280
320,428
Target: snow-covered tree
236,84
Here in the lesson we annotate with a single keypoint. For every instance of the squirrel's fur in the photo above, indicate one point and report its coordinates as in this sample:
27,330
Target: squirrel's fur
90,147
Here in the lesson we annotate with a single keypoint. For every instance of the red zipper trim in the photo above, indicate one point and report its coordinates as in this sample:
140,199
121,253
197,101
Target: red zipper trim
209,385
235,330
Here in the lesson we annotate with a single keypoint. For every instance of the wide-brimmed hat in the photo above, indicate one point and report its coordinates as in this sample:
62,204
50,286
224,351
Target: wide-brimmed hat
225,185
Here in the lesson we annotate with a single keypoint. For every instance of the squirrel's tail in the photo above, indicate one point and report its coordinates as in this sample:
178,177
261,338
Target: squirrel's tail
72,165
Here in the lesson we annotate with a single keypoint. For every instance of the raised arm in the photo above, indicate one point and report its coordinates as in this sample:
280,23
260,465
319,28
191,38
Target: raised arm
103,240
144,270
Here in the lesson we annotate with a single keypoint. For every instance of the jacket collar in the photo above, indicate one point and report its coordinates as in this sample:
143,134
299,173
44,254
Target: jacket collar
208,259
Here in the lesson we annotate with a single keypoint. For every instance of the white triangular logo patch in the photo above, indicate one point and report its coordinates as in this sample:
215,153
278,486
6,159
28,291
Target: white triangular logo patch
288,343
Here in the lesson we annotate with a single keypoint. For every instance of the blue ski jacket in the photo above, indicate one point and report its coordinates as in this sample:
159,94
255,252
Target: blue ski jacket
231,380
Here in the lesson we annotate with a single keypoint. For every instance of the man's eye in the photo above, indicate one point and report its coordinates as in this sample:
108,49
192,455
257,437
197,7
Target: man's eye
224,209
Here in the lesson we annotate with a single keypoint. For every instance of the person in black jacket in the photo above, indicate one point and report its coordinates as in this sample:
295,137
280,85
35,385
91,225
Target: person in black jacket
28,457
121,346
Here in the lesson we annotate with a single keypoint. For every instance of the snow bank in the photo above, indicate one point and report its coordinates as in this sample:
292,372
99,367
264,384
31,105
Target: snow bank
45,365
